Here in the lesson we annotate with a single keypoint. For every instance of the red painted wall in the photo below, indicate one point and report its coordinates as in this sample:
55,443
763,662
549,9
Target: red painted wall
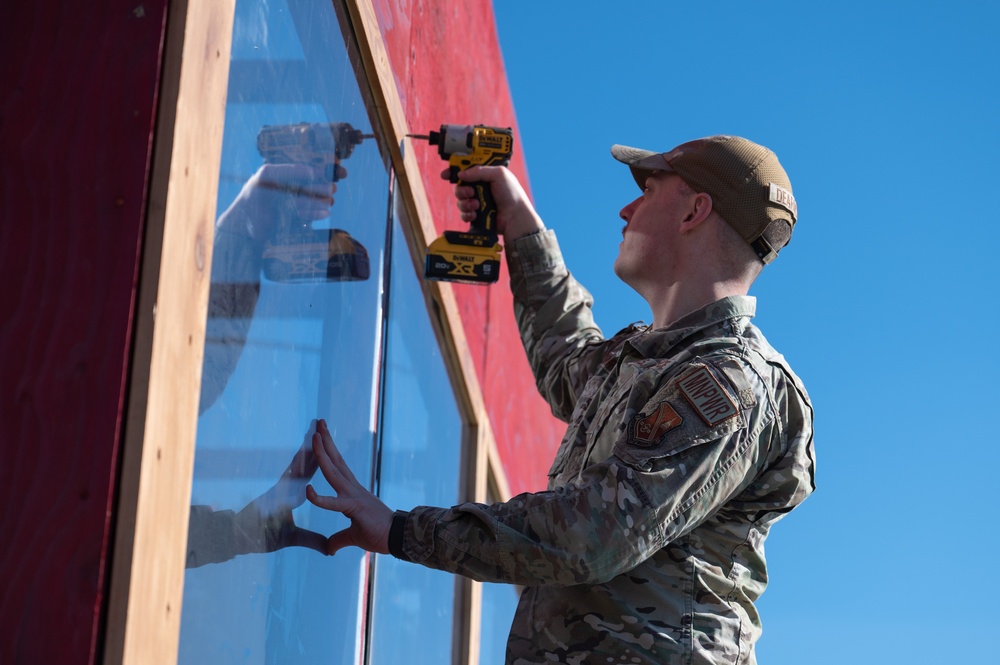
449,69
77,93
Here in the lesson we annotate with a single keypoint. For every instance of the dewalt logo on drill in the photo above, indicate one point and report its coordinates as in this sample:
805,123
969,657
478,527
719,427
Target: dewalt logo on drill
499,142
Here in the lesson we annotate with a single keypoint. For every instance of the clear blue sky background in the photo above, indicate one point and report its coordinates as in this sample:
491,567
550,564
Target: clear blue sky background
885,116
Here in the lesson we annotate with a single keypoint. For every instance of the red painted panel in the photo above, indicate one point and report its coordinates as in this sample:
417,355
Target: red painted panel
526,432
77,93
449,69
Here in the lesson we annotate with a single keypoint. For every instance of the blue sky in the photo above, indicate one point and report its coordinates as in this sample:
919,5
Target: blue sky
885,116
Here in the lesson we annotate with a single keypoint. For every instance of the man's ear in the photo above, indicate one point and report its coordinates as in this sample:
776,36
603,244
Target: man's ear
701,208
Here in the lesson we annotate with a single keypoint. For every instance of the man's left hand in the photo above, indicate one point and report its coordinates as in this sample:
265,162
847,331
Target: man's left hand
370,518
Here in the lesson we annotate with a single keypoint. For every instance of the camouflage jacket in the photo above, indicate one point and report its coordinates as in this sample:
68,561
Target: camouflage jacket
684,446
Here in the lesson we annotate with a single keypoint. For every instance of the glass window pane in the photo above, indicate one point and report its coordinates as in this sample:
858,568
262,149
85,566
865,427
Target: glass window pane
293,335
420,461
499,603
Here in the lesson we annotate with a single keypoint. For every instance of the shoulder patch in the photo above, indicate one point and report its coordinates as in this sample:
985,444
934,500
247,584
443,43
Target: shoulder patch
647,429
710,400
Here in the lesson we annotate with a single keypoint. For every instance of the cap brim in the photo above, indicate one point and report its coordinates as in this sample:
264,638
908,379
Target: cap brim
641,162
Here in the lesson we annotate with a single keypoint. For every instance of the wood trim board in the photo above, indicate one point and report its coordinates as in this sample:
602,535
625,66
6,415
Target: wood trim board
158,455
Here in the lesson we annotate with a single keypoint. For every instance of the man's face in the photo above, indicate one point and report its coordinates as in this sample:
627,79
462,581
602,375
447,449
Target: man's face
652,224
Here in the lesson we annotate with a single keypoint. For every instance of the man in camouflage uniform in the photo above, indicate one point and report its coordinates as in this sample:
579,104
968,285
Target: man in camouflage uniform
687,439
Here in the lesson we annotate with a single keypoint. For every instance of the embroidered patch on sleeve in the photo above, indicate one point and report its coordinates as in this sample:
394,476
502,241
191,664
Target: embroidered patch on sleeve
707,396
647,430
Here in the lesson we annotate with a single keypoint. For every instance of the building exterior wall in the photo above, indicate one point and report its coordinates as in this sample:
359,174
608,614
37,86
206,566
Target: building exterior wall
77,99
77,121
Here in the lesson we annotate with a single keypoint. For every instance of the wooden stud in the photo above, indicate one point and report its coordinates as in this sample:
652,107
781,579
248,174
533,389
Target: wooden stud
151,535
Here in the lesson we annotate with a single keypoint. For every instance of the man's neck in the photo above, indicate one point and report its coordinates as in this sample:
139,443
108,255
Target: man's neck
680,299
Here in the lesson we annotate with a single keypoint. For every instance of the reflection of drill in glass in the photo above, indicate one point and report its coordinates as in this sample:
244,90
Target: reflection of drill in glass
297,252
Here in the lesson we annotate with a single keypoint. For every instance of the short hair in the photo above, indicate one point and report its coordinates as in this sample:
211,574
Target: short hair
736,256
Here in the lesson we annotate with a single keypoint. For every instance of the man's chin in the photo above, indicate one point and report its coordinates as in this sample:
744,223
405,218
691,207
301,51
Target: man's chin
621,269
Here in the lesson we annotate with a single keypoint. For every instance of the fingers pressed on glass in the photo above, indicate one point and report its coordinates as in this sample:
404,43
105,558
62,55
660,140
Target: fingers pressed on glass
328,463
334,453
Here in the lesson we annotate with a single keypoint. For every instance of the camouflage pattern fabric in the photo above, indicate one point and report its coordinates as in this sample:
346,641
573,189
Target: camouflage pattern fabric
684,445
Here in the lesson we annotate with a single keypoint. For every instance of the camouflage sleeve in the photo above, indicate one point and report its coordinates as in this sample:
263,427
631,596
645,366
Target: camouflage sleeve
682,454
553,313
211,536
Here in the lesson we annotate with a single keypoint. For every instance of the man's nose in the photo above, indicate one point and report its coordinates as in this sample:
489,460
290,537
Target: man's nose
626,212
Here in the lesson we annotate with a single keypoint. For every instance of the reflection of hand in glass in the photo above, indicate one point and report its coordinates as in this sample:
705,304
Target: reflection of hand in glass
266,524
277,196
273,192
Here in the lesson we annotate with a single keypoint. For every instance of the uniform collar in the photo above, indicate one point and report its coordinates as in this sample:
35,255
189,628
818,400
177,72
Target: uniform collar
657,343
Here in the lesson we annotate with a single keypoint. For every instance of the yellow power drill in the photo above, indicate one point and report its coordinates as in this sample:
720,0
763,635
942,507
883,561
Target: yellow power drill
297,252
471,256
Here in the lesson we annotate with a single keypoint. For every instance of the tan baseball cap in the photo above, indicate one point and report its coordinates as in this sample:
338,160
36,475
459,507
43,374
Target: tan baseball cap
749,188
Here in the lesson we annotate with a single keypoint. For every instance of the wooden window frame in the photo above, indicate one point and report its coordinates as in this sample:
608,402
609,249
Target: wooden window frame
142,624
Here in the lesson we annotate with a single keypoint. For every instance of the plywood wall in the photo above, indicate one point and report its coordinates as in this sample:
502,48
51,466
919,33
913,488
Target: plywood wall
77,93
